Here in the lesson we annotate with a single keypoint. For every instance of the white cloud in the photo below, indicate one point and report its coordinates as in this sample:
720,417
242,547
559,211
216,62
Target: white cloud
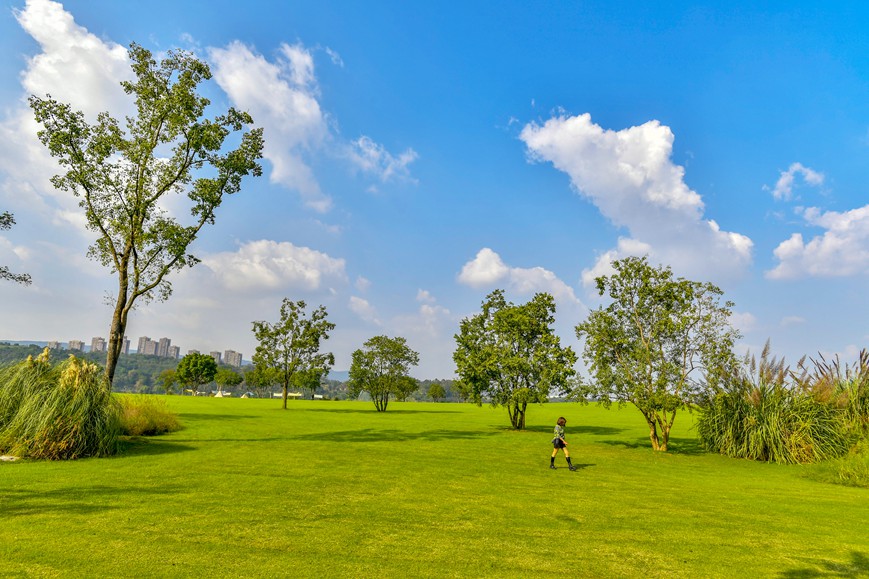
743,321
373,158
484,270
282,97
270,265
362,284
630,177
784,186
842,250
788,321
75,66
423,296
335,57
487,269
363,309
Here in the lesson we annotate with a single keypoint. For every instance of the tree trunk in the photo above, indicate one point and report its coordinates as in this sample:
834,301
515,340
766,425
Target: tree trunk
285,389
653,434
116,335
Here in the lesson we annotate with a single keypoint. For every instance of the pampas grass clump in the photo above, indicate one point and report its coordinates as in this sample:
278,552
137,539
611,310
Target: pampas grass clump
57,412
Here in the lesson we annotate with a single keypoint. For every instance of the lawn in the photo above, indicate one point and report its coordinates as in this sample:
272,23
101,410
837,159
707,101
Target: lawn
335,489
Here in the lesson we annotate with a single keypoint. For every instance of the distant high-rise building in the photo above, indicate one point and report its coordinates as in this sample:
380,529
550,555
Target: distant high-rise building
174,352
54,345
76,345
163,347
98,345
192,352
126,347
215,355
147,346
232,358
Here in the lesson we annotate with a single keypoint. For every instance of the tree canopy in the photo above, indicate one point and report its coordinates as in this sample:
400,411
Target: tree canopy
6,222
290,348
381,368
196,369
510,354
658,343
122,176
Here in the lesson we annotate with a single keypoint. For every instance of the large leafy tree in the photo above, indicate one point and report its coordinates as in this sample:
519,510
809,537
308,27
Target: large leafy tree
226,378
381,368
195,370
510,354
6,222
290,348
123,175
658,344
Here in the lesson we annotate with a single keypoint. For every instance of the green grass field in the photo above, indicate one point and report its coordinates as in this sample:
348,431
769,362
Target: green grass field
335,489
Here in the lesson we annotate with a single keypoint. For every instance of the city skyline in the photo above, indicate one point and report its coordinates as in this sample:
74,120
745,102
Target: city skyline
419,156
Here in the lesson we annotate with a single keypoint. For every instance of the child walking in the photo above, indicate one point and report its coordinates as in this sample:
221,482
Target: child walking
559,442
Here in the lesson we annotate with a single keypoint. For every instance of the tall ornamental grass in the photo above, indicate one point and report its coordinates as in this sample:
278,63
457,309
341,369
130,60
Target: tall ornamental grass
143,415
766,412
57,412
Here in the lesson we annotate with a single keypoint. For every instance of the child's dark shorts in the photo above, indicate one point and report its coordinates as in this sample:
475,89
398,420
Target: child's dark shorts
558,443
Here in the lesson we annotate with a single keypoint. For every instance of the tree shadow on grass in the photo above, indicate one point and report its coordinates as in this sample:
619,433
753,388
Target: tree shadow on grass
76,500
594,430
686,446
390,435
206,416
147,446
858,567
372,410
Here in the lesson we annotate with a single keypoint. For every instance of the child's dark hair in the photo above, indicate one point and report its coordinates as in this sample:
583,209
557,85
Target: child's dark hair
561,421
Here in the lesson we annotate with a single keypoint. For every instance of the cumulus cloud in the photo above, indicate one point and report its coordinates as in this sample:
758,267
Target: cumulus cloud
373,158
282,97
487,270
75,67
363,309
784,186
630,177
842,250
270,265
424,296
743,321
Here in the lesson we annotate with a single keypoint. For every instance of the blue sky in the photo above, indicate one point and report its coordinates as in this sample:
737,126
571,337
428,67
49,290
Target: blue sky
420,155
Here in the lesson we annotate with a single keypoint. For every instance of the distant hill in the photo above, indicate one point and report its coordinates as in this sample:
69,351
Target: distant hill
339,375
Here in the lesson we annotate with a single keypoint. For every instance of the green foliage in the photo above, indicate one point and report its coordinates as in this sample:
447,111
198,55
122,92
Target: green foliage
436,392
851,470
381,368
658,344
56,412
195,370
6,222
227,378
168,379
510,354
761,413
289,350
146,416
122,176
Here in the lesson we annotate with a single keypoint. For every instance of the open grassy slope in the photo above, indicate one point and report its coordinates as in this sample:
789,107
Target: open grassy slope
335,489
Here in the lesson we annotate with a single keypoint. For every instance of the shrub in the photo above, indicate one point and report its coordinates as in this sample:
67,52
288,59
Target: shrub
762,414
850,470
57,412
146,416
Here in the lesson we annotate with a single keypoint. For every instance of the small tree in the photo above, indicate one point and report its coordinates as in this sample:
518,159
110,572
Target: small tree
381,368
510,354
168,378
195,370
657,344
436,392
6,222
122,177
227,378
291,347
